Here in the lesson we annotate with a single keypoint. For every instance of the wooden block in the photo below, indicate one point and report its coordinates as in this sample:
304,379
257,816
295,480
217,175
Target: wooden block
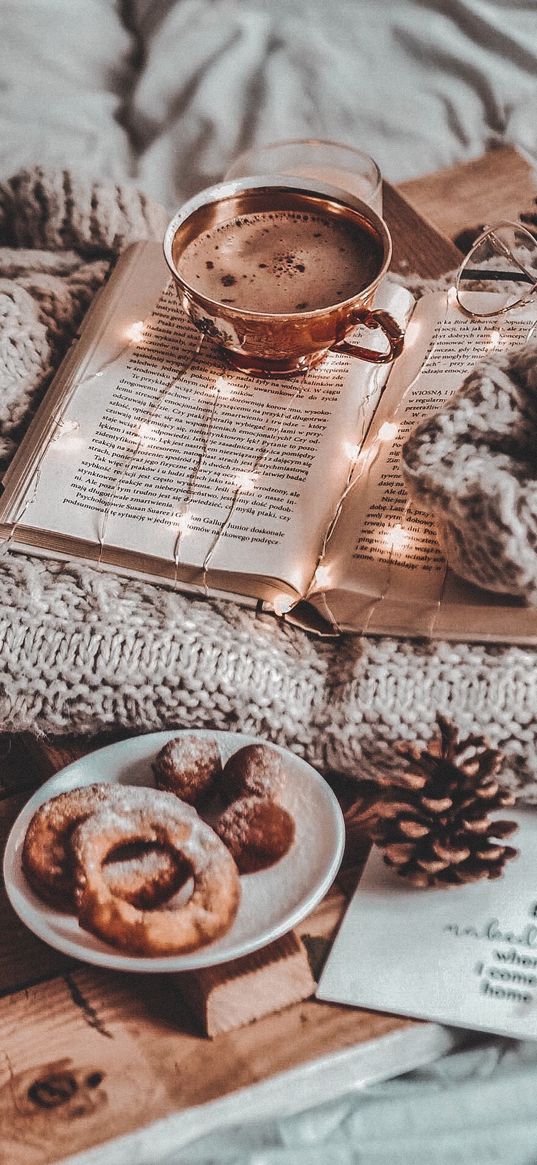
417,247
233,995
498,185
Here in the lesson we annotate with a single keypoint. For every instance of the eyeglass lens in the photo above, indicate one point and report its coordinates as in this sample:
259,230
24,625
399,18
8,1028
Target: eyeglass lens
504,260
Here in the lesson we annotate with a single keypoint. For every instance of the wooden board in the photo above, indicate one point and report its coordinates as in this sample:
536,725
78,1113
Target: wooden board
418,248
89,1055
92,1056
499,185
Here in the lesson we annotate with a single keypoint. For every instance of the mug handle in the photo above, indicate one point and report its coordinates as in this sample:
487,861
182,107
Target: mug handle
374,319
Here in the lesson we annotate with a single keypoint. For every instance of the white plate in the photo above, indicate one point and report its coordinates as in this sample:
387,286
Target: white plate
272,900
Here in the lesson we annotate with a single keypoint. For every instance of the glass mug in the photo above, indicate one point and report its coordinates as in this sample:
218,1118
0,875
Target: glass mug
334,162
279,271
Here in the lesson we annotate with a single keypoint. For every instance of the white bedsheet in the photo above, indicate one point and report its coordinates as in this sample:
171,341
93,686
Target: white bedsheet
475,1107
167,92
64,68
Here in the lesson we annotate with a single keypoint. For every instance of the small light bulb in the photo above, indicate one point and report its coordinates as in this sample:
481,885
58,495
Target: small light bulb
66,428
351,450
183,522
245,481
322,576
147,434
135,332
281,604
396,538
224,387
452,296
494,339
387,431
412,332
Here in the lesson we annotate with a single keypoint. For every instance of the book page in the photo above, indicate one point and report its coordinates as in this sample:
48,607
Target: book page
383,567
155,430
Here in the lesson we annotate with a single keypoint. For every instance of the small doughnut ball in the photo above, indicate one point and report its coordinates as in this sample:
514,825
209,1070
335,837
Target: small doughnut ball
257,833
254,771
188,766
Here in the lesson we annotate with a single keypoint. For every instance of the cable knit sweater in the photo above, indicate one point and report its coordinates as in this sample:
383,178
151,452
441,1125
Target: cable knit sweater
473,466
82,650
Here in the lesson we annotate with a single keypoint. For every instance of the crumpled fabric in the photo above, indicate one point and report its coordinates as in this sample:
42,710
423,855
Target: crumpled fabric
475,1106
473,466
168,92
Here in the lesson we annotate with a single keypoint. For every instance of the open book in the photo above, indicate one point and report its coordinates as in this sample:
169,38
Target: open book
151,457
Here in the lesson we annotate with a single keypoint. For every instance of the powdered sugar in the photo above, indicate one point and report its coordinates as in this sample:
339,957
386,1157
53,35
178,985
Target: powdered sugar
189,766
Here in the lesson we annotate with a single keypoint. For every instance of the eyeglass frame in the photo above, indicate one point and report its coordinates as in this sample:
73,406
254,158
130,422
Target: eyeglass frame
501,276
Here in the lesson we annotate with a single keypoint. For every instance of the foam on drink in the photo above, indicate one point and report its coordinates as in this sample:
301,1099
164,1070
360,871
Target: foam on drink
281,261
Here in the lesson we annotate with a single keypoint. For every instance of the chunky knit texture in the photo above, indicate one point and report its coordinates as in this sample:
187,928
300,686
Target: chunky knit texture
83,651
473,466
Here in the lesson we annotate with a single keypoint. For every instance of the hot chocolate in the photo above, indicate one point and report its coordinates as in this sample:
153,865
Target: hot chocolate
282,261
279,274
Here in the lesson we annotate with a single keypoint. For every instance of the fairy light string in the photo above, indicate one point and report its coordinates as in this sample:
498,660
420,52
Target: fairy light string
359,466
133,335
141,434
321,575
497,341
61,428
245,480
184,517
362,464
388,579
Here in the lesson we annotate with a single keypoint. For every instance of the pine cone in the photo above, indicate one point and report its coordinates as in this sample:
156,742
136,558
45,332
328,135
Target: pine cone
434,829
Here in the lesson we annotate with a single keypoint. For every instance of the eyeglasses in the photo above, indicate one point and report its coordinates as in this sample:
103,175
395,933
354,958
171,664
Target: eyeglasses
503,259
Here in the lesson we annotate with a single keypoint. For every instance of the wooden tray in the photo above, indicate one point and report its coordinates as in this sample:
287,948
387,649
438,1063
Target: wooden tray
92,1058
89,1055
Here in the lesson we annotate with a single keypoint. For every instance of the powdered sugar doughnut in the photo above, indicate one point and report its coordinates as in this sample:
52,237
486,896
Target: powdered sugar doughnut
46,854
188,766
256,832
209,911
146,875
254,771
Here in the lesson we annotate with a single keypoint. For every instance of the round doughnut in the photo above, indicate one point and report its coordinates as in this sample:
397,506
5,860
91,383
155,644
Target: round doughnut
46,854
257,833
209,911
145,875
254,771
189,766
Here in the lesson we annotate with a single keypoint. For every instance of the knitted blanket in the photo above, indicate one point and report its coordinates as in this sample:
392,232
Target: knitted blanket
472,465
83,650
